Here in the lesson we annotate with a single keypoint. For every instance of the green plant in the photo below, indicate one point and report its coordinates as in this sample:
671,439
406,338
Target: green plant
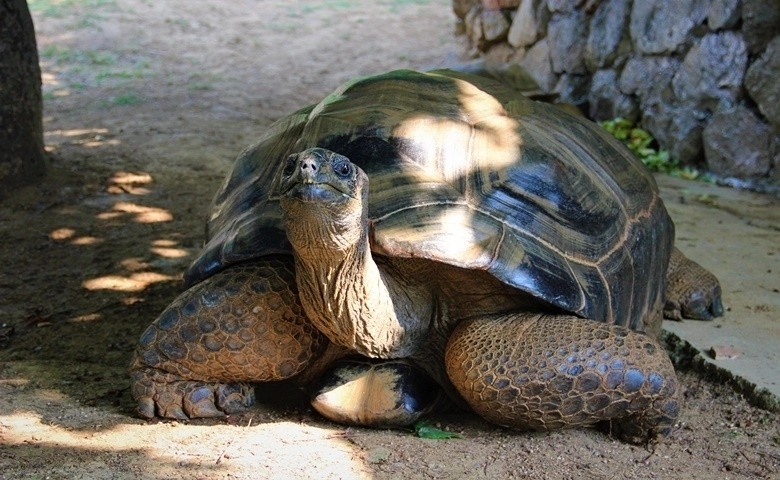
329,4
58,8
424,430
641,143
396,4
127,99
58,54
199,86
119,74
62,55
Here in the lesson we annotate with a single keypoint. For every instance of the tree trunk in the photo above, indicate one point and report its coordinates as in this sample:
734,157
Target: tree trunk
22,158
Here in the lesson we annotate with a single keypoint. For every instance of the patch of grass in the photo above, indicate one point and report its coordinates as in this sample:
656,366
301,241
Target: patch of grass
120,74
127,99
200,82
97,57
199,86
89,20
66,55
93,67
58,54
395,5
402,3
329,5
58,8
55,93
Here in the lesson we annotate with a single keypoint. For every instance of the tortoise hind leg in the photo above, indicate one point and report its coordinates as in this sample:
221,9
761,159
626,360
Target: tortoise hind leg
241,325
691,291
543,372
375,393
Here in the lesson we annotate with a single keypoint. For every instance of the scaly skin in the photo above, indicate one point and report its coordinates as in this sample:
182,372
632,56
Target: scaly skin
543,372
691,291
241,325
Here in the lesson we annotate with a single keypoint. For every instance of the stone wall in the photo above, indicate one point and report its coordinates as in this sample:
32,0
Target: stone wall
700,75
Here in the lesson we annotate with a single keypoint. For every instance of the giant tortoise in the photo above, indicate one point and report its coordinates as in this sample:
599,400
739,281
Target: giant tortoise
419,236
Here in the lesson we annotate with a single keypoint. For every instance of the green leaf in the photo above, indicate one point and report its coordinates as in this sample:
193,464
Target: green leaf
640,141
424,430
647,152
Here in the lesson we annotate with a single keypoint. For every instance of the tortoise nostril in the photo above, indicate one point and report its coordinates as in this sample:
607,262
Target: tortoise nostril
309,165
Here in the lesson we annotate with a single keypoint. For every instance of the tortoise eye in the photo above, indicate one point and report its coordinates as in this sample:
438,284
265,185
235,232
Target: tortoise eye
289,166
342,168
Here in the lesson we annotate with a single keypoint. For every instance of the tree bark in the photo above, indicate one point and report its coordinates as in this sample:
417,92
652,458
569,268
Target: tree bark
22,157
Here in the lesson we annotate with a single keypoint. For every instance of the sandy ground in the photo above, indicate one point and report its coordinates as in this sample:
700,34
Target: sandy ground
147,103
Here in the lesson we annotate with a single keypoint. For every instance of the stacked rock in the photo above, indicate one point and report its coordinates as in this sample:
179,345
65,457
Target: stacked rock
699,75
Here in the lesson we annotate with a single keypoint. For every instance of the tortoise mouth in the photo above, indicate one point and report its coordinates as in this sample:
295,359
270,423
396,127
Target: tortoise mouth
315,192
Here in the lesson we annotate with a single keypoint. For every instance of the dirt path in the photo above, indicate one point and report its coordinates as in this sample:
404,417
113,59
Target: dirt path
147,103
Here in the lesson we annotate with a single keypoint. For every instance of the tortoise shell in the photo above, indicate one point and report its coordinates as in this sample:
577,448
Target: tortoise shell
466,171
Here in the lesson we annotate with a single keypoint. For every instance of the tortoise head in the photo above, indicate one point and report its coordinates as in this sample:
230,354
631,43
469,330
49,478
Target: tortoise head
324,200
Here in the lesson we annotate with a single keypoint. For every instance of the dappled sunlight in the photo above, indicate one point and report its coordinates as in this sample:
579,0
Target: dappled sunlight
14,382
89,317
69,235
468,143
485,131
125,178
86,241
170,252
51,85
134,282
81,132
85,137
130,265
135,264
168,249
60,92
62,234
274,449
48,79
141,214
133,183
24,427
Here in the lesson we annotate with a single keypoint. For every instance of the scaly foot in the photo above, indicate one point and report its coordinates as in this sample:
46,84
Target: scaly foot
691,291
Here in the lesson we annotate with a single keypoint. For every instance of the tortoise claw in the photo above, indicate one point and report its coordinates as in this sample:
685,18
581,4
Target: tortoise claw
145,407
235,398
165,395
717,306
200,403
173,411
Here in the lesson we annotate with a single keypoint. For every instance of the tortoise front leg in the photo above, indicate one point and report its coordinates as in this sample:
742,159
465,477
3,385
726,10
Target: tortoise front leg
543,372
241,325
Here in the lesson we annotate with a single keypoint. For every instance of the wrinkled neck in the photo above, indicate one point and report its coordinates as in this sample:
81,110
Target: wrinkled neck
348,297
